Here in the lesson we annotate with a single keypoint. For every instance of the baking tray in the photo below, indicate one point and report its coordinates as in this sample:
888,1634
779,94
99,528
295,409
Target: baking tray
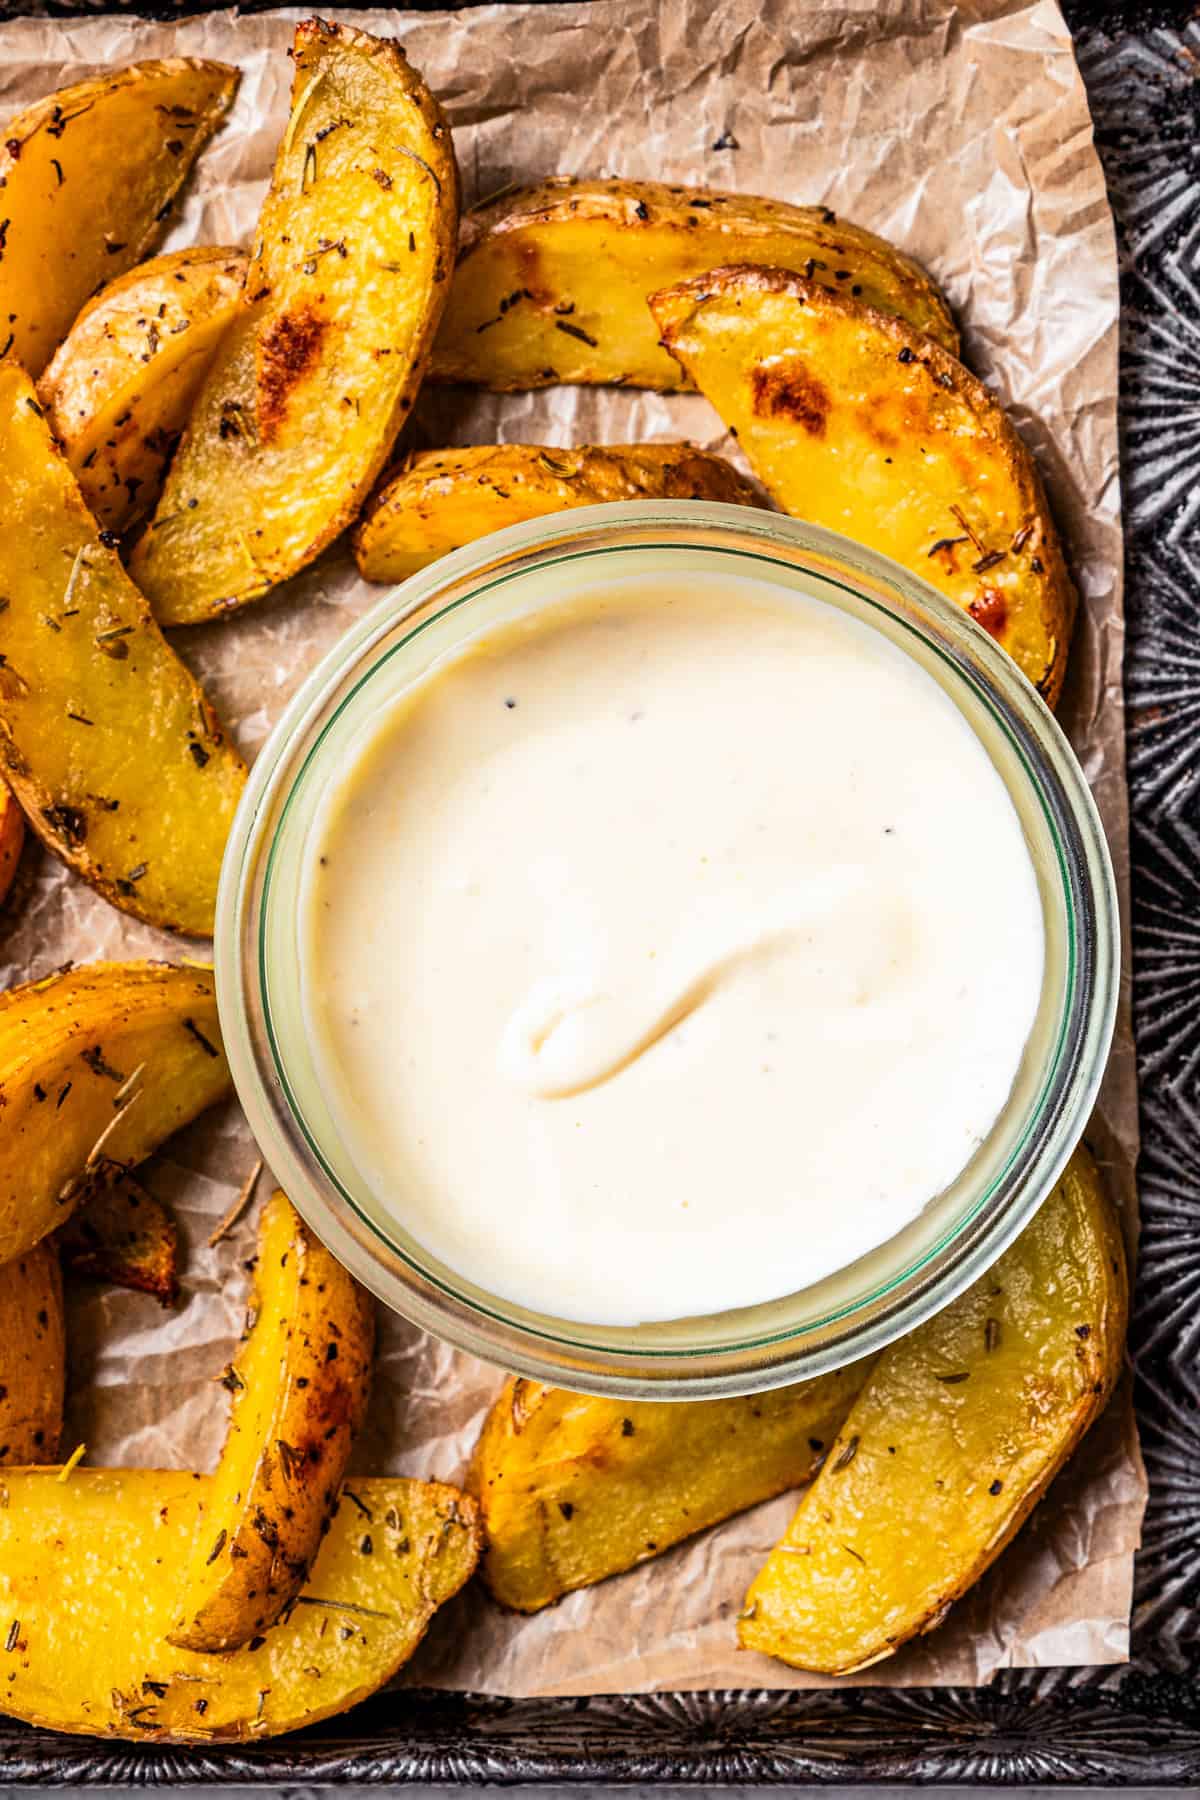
1134,1725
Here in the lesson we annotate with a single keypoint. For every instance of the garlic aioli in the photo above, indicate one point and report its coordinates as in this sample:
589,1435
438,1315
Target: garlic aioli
667,951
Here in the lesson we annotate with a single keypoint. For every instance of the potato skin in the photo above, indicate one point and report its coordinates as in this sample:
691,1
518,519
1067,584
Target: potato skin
951,1443
552,280
122,1235
89,174
853,420
97,1065
12,838
440,499
111,747
32,1357
574,1489
124,1534
120,387
300,1387
300,409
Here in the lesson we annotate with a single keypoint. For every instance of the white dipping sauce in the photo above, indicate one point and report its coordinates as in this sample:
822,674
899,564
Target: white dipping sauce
668,952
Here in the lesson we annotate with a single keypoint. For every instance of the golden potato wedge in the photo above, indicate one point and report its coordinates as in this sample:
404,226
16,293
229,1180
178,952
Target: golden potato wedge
97,1065
440,499
952,1441
109,744
32,1357
299,411
120,387
300,1386
12,838
87,1597
89,174
122,1235
552,281
852,420
574,1489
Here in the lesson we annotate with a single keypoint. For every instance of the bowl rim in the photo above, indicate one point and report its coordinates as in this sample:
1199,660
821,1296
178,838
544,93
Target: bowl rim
608,1361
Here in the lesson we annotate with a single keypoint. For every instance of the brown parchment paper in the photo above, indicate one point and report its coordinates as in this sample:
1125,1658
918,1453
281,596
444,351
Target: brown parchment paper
964,135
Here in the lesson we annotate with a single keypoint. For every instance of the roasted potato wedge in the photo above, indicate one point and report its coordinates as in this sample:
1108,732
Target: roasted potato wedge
552,281
300,1386
853,420
951,1443
86,1599
299,411
121,385
441,499
121,1234
108,743
32,1357
12,838
574,1489
97,1065
89,174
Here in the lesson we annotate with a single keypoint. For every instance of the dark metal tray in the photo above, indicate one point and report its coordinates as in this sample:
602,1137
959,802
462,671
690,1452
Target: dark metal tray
1138,1725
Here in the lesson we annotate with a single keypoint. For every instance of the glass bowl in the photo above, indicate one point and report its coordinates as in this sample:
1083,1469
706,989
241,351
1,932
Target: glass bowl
857,1310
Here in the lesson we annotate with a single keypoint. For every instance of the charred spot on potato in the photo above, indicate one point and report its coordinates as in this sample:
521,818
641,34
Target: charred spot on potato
67,823
288,350
790,390
990,609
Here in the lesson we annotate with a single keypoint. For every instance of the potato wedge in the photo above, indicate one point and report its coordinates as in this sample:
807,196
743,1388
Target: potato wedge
952,1441
120,387
552,281
300,1386
299,411
12,838
86,1599
122,1235
89,174
574,1489
441,499
108,743
32,1357
97,1065
852,420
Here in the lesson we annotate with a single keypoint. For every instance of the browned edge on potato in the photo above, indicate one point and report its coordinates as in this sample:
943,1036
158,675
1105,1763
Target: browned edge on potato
32,1357
299,1386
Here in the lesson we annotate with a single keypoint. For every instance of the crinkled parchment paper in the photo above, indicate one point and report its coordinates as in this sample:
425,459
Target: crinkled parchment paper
963,135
